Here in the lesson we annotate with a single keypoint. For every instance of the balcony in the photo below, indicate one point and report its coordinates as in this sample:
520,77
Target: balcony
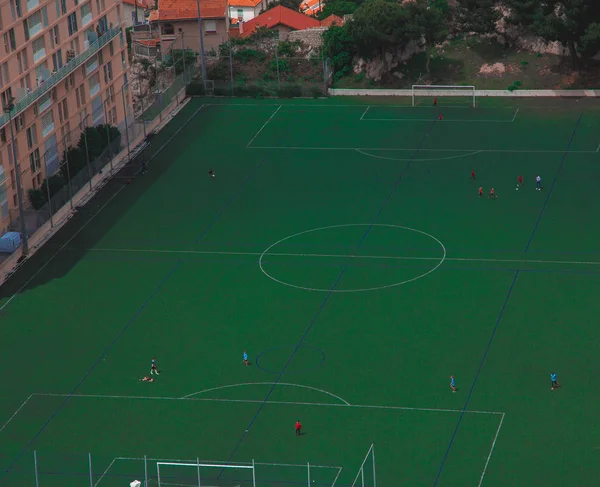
28,100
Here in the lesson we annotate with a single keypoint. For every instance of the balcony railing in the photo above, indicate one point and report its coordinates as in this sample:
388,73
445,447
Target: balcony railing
59,75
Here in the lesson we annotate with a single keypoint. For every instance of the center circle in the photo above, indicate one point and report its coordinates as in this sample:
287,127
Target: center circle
277,361
367,227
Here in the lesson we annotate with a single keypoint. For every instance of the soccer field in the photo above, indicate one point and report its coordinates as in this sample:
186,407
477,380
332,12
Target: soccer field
343,245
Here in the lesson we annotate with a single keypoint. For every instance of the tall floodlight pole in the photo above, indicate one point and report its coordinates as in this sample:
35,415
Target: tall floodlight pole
8,108
202,60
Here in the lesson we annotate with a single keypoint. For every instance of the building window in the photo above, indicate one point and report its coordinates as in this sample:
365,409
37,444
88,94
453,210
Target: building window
240,13
41,73
39,49
33,25
82,119
86,14
44,103
100,57
56,35
63,6
110,94
65,109
114,116
34,160
31,4
72,23
57,61
31,137
22,62
94,83
10,41
4,76
91,65
108,73
15,9
47,123
6,96
3,134
111,48
210,26
168,29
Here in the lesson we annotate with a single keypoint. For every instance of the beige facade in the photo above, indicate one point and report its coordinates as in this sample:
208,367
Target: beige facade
64,63
172,33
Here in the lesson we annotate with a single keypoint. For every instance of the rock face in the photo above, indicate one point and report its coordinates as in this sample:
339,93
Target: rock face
312,38
376,67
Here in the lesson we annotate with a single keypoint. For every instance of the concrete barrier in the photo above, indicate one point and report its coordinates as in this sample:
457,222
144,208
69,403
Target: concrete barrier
478,93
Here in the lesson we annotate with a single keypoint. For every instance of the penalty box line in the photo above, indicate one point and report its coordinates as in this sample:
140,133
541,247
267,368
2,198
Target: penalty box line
253,401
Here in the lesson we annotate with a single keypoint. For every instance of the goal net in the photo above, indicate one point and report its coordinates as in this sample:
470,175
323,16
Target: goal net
452,95
170,474
366,476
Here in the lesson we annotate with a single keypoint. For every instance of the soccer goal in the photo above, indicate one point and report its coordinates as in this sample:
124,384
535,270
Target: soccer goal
171,474
366,476
426,93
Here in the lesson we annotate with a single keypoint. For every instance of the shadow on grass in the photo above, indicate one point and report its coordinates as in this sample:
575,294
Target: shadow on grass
106,208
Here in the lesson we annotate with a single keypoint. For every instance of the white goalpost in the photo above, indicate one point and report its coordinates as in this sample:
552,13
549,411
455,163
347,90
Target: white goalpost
205,474
366,476
434,91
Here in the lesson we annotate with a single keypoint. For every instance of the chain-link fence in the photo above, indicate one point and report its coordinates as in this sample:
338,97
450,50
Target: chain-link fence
265,66
79,161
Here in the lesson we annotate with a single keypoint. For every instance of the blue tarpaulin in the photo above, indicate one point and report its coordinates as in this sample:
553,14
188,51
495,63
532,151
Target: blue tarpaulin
9,242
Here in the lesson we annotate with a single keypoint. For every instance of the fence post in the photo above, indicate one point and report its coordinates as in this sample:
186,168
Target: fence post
126,123
91,474
277,62
308,470
87,154
68,172
146,471
35,467
231,65
49,200
108,133
199,483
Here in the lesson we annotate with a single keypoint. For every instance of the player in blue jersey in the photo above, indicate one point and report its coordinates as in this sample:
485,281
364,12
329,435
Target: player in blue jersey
452,383
153,369
245,358
555,384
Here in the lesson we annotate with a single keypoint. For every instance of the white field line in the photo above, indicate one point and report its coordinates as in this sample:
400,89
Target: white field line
491,451
342,256
373,149
337,477
210,462
36,273
267,384
264,125
515,117
408,107
598,148
16,412
259,401
364,113
106,471
431,120
418,160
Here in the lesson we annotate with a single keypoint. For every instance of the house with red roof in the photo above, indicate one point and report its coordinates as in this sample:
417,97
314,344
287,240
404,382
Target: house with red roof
279,18
134,11
245,10
175,24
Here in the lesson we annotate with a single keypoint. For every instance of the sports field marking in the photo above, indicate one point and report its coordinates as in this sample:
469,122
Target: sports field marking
419,160
344,256
106,471
266,383
15,413
446,120
36,273
369,228
408,107
264,125
395,149
364,113
491,451
255,401
515,115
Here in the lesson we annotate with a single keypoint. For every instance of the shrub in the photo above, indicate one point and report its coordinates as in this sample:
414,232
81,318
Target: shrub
37,198
246,55
290,91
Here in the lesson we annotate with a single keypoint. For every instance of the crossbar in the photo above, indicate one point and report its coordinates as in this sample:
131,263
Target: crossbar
217,465
443,90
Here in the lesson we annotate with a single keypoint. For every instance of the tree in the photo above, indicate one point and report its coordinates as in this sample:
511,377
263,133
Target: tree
37,198
378,25
427,22
570,22
339,8
339,46
590,41
476,16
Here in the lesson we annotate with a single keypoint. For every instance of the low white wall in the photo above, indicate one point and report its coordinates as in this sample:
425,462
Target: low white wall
478,93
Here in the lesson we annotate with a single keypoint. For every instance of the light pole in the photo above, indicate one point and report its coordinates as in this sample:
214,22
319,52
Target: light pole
8,108
105,103
202,61
126,124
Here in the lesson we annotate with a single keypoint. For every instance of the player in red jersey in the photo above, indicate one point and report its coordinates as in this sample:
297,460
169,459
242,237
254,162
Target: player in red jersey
520,180
480,194
492,194
435,102
298,428
473,175
441,117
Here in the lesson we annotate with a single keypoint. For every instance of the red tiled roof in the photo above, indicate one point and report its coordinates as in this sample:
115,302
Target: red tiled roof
280,16
170,10
332,20
140,3
244,3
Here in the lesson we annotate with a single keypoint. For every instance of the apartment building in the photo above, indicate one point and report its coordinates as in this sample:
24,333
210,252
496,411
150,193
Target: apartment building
63,63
